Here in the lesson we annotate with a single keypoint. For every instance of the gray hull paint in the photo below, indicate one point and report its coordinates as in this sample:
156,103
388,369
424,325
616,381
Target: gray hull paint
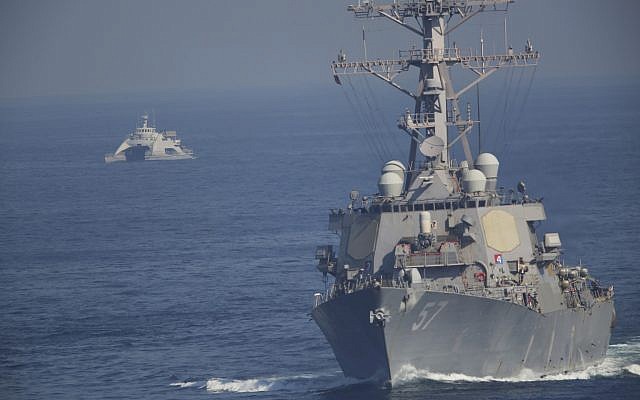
453,333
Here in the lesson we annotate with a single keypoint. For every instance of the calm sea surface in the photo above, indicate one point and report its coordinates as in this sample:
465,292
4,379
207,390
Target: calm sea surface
194,279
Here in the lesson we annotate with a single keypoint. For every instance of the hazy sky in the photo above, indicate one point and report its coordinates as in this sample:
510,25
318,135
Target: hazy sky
87,46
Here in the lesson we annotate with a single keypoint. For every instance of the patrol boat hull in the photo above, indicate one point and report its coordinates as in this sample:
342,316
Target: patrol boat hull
455,333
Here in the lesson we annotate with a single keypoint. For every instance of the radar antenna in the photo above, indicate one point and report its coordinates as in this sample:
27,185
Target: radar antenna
436,101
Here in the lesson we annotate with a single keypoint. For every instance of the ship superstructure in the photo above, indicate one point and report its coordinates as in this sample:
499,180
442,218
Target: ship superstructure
147,143
441,270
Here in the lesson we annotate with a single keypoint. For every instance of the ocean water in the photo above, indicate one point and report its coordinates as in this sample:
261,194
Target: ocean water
194,279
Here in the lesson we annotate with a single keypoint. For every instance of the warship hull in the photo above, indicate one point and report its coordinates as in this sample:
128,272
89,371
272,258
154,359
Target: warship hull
449,333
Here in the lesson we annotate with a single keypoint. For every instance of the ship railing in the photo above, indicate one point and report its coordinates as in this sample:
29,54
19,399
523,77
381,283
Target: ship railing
470,57
416,120
318,298
430,259
575,294
429,205
524,295
360,283
387,68
510,196
585,293
449,53
600,292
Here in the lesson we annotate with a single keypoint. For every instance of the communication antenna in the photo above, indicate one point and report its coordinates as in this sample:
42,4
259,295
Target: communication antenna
364,44
506,46
478,94
479,119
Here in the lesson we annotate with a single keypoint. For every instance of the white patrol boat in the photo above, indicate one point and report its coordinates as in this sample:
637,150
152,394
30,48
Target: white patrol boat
146,143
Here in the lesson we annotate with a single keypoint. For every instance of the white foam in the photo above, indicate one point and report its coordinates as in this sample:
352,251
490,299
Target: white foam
633,368
252,385
409,373
184,384
217,385
622,357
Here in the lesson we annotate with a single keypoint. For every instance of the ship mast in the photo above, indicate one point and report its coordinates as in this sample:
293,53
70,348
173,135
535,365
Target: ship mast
436,101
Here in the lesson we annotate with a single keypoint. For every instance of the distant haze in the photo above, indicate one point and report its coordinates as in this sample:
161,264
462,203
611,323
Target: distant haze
92,47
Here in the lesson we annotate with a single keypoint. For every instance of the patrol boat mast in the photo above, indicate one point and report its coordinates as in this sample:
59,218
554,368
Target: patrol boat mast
439,270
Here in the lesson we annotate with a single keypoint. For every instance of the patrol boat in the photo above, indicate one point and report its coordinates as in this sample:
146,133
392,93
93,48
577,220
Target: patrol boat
442,271
146,143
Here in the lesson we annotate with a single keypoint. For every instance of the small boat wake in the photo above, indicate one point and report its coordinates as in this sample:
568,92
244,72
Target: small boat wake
621,358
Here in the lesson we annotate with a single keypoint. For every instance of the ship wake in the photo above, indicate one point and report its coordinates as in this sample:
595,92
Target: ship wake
621,359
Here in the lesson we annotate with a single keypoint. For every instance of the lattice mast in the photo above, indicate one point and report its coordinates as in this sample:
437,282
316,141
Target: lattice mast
436,102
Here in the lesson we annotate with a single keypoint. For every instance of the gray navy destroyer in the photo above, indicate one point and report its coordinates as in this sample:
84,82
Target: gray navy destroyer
442,270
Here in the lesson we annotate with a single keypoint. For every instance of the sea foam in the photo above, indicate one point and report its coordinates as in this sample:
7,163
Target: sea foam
620,358
184,384
294,383
217,385
633,368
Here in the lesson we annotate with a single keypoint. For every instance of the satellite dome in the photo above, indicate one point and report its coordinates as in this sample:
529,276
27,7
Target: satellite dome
390,184
394,166
473,181
488,164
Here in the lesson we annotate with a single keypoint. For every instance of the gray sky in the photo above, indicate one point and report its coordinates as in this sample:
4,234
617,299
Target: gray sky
88,46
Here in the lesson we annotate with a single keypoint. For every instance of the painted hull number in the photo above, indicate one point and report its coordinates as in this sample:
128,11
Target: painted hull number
428,313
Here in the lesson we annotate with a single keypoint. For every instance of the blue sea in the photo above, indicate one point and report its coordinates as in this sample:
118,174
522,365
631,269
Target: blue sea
194,279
